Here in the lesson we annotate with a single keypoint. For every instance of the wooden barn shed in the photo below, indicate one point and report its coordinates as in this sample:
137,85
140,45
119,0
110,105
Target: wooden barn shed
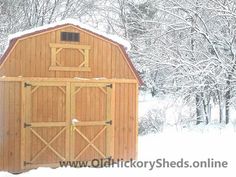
67,93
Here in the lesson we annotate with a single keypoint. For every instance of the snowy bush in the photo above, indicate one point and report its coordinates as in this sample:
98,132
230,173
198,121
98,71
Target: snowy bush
234,125
185,123
152,122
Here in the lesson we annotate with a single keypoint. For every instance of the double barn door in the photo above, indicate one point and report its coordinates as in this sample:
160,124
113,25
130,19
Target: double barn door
65,121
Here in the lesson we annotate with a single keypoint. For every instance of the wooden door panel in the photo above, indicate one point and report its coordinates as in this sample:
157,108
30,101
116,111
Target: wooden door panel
48,104
90,106
43,154
46,124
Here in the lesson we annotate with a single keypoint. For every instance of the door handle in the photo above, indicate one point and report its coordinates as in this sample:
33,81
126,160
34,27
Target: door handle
73,124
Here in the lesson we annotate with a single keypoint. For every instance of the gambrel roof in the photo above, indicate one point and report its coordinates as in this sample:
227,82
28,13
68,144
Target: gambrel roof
123,44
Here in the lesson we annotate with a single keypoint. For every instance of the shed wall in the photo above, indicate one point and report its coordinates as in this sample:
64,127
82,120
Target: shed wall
31,57
126,121
10,114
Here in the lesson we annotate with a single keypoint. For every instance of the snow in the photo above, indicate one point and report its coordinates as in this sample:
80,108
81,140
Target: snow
200,144
114,38
171,146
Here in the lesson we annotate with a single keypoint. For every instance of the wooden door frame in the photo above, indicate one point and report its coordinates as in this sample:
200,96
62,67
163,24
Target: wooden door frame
66,83
109,134
25,113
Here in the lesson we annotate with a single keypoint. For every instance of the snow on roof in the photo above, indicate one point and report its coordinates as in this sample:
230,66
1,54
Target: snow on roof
114,38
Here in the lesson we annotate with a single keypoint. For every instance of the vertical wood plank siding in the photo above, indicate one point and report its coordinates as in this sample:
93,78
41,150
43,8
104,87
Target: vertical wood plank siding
125,121
10,126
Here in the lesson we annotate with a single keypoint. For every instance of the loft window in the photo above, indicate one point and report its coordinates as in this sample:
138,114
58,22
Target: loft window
56,65
68,36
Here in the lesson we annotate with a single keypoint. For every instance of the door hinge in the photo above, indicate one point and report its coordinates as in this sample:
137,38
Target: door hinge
28,85
27,125
27,163
109,85
109,122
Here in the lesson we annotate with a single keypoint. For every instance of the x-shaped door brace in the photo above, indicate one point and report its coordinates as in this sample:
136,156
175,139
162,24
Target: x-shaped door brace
90,143
48,144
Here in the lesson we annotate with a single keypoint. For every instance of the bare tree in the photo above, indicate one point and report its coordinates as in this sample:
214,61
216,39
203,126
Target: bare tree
183,47
21,15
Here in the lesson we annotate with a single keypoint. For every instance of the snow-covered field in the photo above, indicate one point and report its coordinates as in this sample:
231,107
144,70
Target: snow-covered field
196,145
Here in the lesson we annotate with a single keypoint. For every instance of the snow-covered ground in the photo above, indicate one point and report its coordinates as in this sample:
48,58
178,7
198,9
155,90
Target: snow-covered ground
172,146
196,145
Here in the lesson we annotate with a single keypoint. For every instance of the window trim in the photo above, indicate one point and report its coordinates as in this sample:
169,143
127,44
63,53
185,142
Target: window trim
57,48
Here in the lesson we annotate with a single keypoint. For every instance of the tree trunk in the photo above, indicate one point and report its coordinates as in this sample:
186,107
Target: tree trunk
198,109
228,84
220,106
227,103
209,111
205,108
221,112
